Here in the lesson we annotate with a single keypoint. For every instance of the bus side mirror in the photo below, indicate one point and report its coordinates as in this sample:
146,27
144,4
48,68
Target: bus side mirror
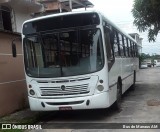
14,50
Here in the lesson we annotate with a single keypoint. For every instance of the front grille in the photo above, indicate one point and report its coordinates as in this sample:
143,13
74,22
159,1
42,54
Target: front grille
69,90
64,103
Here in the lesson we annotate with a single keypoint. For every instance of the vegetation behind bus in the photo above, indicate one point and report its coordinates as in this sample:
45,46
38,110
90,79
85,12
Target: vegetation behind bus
152,57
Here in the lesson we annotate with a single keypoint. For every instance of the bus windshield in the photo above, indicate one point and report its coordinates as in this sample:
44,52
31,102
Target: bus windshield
64,53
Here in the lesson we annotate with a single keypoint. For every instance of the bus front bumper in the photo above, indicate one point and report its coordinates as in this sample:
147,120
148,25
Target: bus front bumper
87,102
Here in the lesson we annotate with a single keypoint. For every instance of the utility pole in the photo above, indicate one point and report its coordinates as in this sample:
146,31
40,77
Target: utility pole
70,4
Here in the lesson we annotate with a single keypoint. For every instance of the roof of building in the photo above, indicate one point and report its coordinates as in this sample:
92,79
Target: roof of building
75,3
133,34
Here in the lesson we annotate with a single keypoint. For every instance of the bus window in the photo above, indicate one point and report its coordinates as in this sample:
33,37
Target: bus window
121,44
119,50
116,51
64,54
134,49
130,47
92,56
126,46
50,49
69,54
127,41
108,45
34,54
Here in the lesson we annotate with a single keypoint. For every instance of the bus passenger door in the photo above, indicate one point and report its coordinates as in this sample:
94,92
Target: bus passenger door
112,78
109,40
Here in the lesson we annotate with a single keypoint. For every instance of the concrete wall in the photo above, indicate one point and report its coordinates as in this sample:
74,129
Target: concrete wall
13,92
21,11
20,17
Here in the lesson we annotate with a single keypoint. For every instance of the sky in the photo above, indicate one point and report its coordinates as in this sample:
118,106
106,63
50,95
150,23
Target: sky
119,12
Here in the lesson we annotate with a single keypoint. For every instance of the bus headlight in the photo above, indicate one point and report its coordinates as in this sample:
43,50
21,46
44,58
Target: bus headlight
100,88
32,92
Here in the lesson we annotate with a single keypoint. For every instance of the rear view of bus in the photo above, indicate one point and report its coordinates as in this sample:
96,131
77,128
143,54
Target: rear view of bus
65,62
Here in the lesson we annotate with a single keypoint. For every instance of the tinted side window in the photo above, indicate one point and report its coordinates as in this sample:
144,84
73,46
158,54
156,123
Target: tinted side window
126,46
127,41
130,47
137,54
108,44
133,49
116,45
121,44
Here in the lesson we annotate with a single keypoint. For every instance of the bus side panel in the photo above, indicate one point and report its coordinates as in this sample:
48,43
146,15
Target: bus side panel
127,73
124,68
114,73
112,94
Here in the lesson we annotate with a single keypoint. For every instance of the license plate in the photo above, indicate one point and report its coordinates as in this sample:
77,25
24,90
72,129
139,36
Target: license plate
65,108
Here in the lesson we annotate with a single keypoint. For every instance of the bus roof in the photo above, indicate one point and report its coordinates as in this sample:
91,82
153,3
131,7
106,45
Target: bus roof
81,12
58,14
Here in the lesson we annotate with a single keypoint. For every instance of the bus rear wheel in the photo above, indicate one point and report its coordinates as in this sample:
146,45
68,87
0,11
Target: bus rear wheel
134,81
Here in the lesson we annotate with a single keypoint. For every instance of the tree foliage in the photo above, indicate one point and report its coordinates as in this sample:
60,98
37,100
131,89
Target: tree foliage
146,15
144,56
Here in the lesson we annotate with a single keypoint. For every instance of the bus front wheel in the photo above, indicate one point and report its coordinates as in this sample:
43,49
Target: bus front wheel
117,103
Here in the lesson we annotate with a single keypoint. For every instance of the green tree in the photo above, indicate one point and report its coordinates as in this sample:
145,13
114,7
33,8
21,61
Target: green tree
144,56
146,15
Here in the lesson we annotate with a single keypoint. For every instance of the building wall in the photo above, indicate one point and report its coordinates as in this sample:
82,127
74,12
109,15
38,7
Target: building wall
20,18
13,91
21,11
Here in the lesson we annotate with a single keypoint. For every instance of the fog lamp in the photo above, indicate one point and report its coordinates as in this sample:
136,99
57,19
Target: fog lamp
31,92
100,87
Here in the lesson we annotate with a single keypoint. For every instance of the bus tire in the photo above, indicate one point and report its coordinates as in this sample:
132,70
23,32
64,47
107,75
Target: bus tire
117,103
134,81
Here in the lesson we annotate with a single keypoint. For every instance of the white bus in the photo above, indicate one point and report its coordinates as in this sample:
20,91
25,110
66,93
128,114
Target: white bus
77,60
